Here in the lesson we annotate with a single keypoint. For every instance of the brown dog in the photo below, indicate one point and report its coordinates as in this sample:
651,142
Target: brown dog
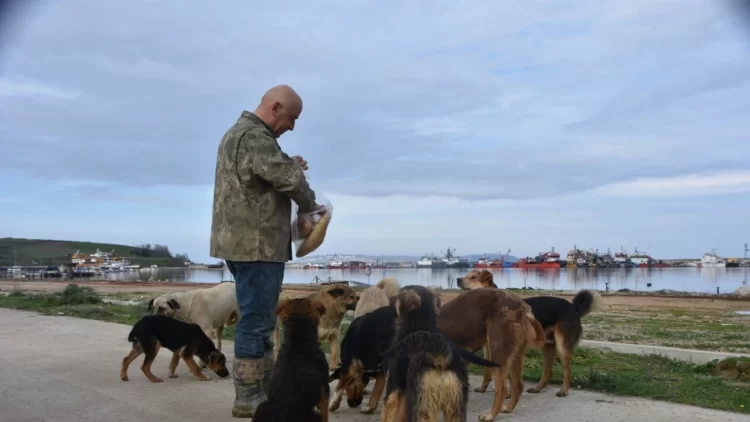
505,322
338,299
300,376
561,322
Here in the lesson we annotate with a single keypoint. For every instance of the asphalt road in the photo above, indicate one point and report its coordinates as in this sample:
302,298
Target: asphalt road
67,369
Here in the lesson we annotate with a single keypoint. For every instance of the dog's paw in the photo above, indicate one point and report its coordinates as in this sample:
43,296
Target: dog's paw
157,380
335,404
124,377
204,378
506,410
480,389
367,410
486,418
562,393
173,376
534,390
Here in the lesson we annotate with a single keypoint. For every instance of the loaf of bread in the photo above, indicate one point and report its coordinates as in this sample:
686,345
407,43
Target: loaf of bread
316,236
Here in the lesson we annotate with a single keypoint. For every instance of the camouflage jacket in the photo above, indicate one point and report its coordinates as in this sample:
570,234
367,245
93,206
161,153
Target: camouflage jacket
254,186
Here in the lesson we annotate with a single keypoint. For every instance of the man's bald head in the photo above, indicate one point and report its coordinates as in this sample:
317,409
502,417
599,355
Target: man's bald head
280,107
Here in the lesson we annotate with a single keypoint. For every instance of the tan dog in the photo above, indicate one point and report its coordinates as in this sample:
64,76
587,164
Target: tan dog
338,299
376,296
505,322
212,308
561,322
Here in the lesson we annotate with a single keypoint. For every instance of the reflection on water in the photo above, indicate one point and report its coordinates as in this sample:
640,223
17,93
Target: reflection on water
705,280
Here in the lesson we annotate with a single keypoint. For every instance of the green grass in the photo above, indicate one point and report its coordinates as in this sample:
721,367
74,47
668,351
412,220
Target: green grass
687,329
81,302
721,385
54,252
655,377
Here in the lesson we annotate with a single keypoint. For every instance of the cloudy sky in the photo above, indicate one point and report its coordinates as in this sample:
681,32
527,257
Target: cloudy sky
482,125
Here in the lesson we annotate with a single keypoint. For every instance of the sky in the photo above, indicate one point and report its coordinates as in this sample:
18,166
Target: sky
481,126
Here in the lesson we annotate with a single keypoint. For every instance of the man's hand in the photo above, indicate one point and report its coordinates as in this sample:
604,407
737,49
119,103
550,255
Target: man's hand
301,161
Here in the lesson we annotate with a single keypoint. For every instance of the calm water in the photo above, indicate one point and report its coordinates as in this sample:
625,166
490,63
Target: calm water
704,280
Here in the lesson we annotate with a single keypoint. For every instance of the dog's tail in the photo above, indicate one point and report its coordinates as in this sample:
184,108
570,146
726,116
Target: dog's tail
586,301
534,331
132,338
471,357
336,374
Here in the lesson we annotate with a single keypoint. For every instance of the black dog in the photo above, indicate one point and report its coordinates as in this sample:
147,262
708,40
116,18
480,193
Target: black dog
300,377
184,339
368,337
423,356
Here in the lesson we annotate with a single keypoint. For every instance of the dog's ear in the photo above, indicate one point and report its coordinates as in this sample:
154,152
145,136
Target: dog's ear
336,292
282,309
215,357
410,300
487,278
173,304
319,307
151,304
392,301
380,284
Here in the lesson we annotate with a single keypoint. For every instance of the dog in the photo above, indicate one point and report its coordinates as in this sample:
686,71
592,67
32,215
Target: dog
299,381
338,299
367,338
184,339
505,322
424,382
211,308
560,320
376,296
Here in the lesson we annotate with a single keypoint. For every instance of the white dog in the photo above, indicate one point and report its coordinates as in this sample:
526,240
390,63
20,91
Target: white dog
211,308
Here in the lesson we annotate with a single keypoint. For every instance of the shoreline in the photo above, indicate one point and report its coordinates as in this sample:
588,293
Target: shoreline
115,286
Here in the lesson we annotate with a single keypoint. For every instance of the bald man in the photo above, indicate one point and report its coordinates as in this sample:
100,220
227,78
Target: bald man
255,184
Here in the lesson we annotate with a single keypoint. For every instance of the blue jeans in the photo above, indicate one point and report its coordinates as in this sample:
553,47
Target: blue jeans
258,285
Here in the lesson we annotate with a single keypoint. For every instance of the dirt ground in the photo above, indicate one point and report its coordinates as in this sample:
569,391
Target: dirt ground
705,323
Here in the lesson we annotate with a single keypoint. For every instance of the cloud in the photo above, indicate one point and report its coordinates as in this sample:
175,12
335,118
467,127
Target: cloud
480,102
20,88
681,186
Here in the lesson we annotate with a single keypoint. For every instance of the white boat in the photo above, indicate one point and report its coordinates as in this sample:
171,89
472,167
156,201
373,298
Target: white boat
712,260
430,261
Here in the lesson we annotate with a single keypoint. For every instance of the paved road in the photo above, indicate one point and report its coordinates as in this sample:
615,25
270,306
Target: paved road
67,369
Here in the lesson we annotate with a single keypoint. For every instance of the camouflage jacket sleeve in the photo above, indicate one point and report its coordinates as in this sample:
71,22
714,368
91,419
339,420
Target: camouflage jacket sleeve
259,154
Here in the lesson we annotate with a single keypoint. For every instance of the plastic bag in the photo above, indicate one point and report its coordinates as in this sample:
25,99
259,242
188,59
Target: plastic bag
309,230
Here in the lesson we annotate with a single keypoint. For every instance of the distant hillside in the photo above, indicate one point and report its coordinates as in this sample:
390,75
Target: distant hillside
55,252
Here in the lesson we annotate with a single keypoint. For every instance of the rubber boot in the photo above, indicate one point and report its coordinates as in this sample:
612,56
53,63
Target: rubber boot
268,363
249,390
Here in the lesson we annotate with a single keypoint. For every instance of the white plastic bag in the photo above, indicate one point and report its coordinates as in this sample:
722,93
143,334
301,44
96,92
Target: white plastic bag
309,230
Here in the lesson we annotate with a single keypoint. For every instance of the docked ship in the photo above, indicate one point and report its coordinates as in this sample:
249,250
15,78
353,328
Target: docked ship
452,261
430,261
643,260
547,260
622,259
486,262
712,260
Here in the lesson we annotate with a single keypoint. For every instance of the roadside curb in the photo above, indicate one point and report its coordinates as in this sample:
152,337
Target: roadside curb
688,355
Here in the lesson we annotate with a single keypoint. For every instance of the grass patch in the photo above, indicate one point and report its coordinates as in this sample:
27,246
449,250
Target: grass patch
74,300
688,329
721,385
718,385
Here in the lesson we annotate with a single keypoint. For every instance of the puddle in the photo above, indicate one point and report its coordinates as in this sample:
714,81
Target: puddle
742,312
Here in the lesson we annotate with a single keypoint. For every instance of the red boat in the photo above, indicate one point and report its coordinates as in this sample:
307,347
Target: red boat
545,261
